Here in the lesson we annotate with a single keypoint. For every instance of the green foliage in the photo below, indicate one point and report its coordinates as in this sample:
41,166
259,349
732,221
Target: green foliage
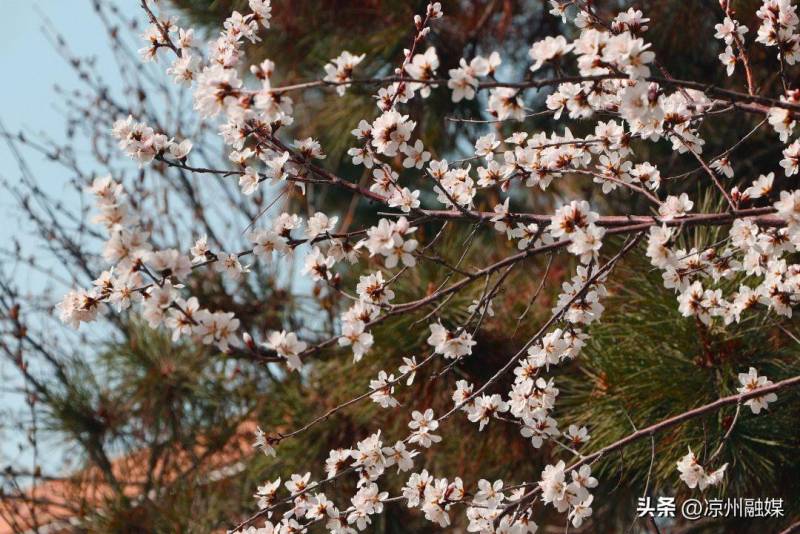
645,363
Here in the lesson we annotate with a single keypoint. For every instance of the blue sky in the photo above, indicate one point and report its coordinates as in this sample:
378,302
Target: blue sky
31,67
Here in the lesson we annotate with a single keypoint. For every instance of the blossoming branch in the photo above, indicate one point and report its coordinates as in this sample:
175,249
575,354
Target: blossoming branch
607,77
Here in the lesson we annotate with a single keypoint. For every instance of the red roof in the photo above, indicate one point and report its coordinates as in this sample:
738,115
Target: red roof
56,505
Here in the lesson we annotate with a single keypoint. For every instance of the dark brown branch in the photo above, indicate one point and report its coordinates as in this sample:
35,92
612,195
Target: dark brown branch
663,425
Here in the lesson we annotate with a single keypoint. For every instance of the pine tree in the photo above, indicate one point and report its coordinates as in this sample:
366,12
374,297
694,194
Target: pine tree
184,407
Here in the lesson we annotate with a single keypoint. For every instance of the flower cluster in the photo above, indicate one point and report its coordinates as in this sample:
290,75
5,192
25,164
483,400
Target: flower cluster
695,476
124,284
779,29
340,70
572,497
143,144
752,382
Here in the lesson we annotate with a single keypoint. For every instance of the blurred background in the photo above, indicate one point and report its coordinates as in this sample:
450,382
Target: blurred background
117,429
